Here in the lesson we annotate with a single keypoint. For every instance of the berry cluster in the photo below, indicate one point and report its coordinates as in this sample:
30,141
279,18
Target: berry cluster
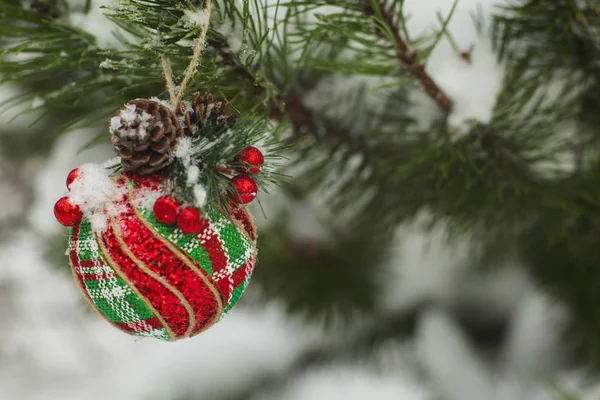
251,161
67,213
189,219
167,210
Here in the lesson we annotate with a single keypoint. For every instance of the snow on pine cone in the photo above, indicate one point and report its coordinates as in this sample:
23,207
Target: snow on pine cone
145,134
150,279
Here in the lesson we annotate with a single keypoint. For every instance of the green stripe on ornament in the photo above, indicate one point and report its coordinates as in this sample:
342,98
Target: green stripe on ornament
188,243
101,297
141,309
236,295
86,241
119,301
111,295
237,245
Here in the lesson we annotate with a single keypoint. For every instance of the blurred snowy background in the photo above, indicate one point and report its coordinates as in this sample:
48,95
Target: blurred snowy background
474,336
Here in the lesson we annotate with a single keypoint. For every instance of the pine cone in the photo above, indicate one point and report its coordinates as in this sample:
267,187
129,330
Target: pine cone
144,134
204,114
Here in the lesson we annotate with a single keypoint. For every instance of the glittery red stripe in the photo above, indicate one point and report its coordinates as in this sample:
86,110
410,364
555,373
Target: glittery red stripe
76,262
154,323
218,258
162,299
161,260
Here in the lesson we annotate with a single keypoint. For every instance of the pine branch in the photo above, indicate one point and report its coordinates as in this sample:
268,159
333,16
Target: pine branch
315,132
407,58
374,40
286,106
215,148
561,35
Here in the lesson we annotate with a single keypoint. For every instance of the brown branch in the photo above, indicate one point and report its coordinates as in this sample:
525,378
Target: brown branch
408,57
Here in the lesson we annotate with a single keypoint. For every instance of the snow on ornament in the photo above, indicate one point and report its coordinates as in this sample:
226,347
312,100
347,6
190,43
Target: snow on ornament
165,254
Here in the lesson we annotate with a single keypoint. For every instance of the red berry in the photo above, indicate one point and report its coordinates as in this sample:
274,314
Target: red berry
251,156
246,189
74,174
190,221
165,209
66,213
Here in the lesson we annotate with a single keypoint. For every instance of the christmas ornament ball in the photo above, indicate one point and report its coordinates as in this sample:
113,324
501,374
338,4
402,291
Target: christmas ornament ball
246,188
151,279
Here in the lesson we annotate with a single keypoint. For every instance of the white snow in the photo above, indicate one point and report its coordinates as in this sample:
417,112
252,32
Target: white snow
49,182
192,176
193,173
132,124
199,196
461,373
165,103
145,197
115,124
107,64
443,349
97,194
344,382
194,18
152,42
184,150
472,87
99,221
129,114
111,163
533,346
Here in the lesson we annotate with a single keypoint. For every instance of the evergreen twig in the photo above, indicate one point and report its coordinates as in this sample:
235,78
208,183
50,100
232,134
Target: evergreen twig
407,58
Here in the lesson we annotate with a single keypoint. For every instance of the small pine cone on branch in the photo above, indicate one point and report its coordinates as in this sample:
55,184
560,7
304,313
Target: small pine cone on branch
204,114
145,134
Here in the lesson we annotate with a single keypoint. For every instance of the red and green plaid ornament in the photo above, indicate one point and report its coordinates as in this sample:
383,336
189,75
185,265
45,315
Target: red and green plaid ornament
151,279
156,254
